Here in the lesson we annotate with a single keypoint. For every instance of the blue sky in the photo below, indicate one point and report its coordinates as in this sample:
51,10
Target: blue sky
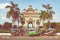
25,3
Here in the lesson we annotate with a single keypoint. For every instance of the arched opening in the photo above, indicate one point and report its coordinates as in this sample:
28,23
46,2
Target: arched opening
30,25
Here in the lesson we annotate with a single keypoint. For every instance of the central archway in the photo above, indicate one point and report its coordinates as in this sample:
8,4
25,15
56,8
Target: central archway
30,24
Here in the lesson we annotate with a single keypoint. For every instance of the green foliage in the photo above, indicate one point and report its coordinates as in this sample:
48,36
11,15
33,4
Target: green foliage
4,31
38,22
58,31
40,31
32,33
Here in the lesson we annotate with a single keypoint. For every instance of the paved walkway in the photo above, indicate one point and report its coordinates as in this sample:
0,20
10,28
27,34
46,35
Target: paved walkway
29,38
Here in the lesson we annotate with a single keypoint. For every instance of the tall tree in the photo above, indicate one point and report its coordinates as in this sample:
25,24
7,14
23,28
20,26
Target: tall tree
43,16
22,20
49,13
13,13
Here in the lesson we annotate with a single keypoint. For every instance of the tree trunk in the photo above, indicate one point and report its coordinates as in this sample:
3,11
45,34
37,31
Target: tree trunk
13,24
43,22
48,19
40,20
48,23
18,23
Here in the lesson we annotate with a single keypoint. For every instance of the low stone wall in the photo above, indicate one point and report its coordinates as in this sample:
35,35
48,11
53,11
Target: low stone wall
57,33
7,34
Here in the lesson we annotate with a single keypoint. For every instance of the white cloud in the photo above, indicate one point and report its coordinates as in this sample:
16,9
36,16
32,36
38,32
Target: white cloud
3,17
1,14
3,5
56,19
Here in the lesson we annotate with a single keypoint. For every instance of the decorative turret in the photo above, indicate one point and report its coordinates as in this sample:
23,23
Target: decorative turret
30,8
36,10
24,10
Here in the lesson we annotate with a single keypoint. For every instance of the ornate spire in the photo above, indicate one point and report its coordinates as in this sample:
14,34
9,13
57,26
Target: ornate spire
30,7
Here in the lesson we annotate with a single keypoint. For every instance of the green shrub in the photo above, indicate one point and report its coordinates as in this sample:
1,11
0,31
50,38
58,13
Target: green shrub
5,31
58,31
32,33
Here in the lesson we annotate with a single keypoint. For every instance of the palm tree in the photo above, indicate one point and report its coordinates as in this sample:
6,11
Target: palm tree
42,17
22,20
11,13
49,13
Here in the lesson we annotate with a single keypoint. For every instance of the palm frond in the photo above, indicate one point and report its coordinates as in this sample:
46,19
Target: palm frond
7,6
12,3
8,14
44,5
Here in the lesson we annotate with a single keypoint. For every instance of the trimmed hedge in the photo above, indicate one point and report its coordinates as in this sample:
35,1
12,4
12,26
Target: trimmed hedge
4,31
33,33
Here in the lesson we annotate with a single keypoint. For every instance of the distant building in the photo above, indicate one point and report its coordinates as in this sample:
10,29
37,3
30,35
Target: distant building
55,25
7,25
1,26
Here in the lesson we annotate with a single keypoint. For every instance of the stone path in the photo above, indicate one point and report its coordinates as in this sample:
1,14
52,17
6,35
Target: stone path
30,38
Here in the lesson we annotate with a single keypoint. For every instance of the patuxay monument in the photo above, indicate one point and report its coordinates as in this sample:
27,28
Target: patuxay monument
31,16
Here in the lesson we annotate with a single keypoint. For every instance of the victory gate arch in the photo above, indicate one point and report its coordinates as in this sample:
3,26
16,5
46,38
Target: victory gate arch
31,16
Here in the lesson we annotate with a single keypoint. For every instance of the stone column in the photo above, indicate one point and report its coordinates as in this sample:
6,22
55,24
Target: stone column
33,24
25,25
